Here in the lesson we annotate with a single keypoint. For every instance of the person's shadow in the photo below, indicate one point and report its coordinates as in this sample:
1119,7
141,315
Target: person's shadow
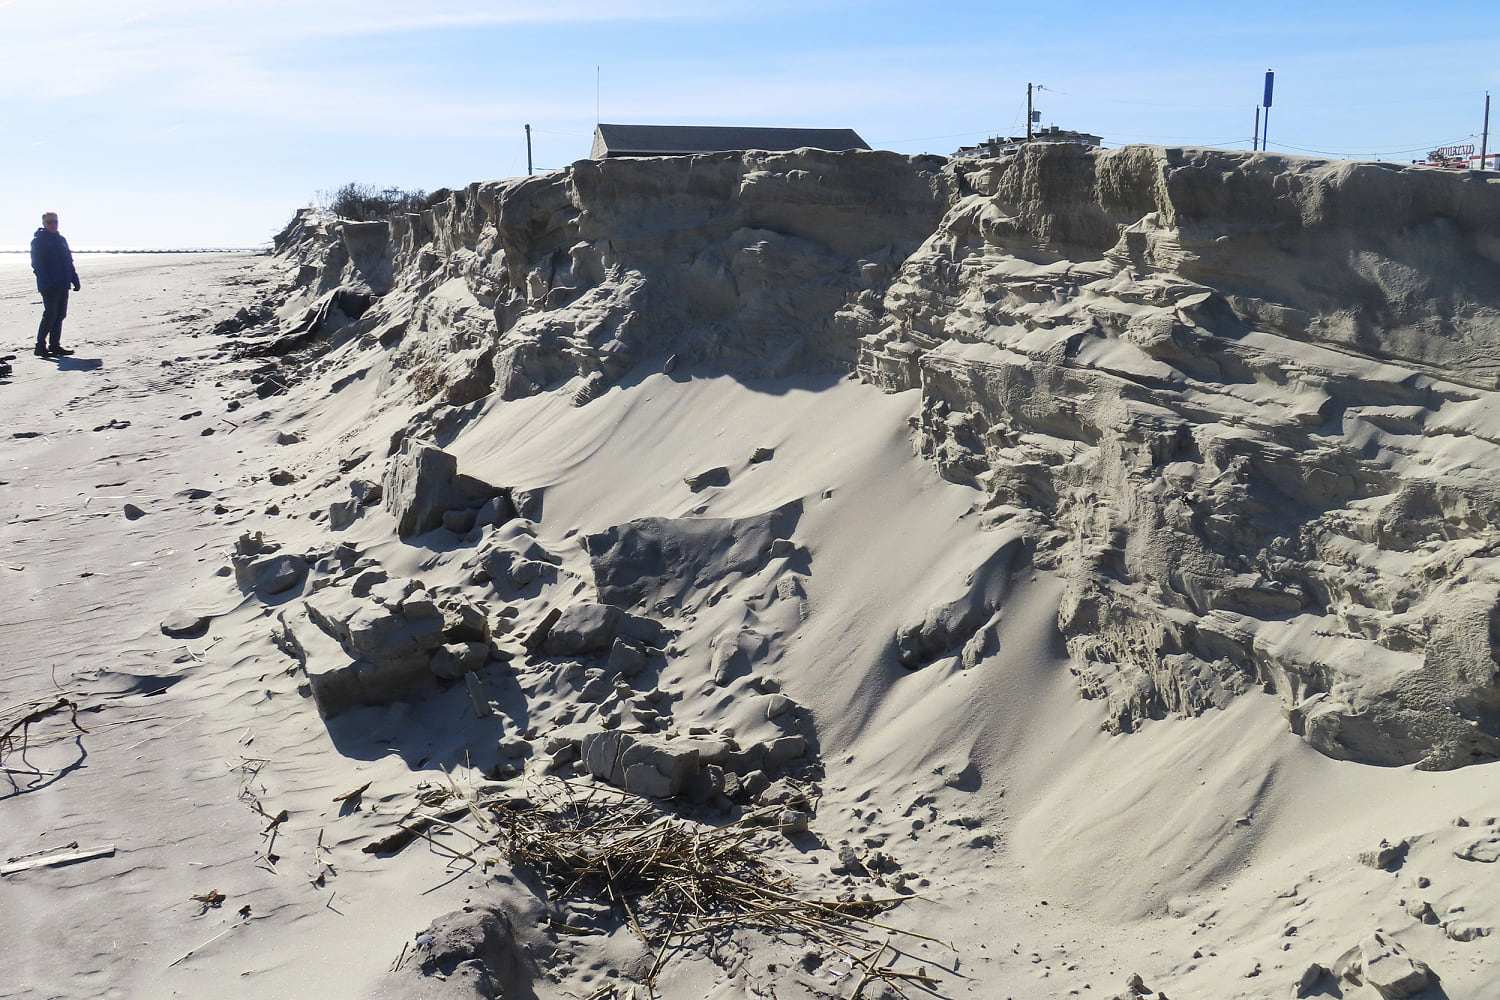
73,364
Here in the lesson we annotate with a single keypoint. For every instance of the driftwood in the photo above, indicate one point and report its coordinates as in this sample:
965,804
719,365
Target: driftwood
408,829
353,794
10,744
55,860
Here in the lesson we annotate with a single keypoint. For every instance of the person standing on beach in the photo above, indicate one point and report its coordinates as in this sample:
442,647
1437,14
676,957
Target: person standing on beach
52,260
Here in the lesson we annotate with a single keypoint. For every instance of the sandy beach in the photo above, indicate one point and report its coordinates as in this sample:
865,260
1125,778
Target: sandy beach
739,539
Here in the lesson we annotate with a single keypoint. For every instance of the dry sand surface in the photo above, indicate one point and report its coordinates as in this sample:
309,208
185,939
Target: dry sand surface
1024,850
184,736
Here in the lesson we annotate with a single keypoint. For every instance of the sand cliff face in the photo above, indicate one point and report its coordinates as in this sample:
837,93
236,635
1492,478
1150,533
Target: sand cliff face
1236,400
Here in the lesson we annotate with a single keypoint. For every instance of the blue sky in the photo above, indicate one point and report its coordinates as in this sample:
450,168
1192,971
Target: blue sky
173,123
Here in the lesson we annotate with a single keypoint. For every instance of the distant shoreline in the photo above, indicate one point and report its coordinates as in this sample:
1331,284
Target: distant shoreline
264,249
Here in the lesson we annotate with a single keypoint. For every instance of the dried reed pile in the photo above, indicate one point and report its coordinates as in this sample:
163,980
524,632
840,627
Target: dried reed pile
676,880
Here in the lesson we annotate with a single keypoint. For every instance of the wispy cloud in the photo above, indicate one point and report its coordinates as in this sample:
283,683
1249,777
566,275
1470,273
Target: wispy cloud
70,48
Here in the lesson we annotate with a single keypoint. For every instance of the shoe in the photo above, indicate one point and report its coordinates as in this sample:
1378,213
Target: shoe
59,352
42,352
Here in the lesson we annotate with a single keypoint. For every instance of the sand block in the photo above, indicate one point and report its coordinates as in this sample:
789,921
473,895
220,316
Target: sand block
382,636
742,762
494,512
730,658
453,660
655,558
464,620
185,624
711,749
1387,856
331,609
418,486
394,592
658,770
422,485
643,765
337,682
511,556
342,513
627,658
717,476
1389,968
269,575
1485,850
782,751
470,952
582,629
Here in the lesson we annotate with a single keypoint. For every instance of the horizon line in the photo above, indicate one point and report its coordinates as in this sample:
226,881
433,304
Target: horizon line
256,249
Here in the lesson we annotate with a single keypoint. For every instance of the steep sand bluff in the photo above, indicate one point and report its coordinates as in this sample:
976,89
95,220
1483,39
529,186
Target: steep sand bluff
1238,401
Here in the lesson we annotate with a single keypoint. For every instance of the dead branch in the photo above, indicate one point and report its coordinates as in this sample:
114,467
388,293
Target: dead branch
8,739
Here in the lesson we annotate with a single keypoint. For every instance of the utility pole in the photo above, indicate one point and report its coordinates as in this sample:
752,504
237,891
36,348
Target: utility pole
1255,142
1028,112
1484,143
528,150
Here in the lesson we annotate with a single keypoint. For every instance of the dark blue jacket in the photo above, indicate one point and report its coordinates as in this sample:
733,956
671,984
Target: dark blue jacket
52,261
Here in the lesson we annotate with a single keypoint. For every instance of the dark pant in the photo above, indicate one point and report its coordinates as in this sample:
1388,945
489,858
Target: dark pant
54,309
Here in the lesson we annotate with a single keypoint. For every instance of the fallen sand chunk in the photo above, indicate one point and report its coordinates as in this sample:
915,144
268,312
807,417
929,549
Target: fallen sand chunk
654,559
1387,966
422,484
1387,856
582,629
455,659
1485,850
269,575
186,625
1308,982
717,476
642,765
342,513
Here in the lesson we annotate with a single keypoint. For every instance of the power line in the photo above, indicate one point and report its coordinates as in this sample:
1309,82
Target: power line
930,138
1428,99
1122,138
1348,154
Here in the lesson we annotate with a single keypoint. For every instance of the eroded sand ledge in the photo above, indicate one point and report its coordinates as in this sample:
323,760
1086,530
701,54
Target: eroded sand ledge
1204,437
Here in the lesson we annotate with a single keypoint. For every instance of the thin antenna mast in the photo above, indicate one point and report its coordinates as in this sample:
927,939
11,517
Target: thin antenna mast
597,77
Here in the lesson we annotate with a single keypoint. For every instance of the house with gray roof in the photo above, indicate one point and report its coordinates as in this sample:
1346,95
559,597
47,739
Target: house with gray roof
685,140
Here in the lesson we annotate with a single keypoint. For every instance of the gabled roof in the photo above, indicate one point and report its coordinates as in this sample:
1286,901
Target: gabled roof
680,140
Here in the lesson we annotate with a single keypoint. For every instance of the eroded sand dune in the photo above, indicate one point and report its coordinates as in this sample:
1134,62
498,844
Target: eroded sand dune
1087,555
